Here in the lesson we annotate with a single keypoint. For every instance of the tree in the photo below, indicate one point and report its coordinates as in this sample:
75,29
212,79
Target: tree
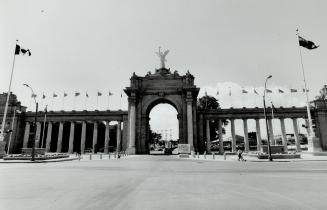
209,102
154,137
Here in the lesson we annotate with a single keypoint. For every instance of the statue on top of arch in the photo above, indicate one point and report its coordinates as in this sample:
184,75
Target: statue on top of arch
323,93
162,56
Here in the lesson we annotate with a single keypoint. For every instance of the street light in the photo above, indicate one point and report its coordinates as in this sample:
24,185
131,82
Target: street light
264,111
36,107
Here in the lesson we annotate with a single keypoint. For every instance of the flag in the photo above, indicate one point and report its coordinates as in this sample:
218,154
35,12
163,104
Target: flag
217,93
77,93
54,95
230,92
244,91
280,91
33,95
293,90
99,94
268,91
304,90
87,95
255,92
307,44
65,94
110,93
43,96
19,50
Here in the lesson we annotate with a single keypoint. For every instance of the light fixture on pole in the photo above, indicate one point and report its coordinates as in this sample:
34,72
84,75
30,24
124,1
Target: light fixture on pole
265,114
35,119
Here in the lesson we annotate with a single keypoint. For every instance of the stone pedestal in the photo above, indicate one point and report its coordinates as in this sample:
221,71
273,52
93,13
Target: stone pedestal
314,144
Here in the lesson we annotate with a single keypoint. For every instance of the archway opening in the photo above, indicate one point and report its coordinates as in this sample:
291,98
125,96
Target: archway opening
163,129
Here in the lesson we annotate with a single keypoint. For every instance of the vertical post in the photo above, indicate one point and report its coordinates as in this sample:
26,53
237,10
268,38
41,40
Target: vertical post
132,118
12,130
208,136
246,138
33,143
258,133
118,136
38,133
284,139
296,135
26,134
45,119
271,132
71,137
48,140
83,137
190,123
59,143
95,137
265,114
232,123
221,139
107,138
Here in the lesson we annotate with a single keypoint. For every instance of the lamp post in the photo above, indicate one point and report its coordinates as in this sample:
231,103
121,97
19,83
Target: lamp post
264,111
35,118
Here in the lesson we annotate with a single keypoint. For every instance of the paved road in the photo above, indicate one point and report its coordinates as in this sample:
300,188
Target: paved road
163,182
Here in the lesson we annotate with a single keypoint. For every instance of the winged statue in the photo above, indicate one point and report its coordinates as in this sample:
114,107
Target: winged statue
162,56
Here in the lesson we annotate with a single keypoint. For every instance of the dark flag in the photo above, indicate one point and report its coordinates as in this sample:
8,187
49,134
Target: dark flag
65,94
54,95
280,91
273,110
110,93
77,93
255,92
268,91
293,90
244,91
87,95
99,94
307,44
19,50
43,96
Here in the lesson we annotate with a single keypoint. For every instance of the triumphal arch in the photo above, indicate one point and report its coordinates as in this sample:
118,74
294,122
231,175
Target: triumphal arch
162,86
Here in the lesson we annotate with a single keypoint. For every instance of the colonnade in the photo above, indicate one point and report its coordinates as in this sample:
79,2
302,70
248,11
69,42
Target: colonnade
48,137
258,134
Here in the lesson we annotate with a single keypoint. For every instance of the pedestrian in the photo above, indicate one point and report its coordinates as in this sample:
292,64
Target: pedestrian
239,154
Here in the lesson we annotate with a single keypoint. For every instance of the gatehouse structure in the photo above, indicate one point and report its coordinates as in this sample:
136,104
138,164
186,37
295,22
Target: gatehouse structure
90,131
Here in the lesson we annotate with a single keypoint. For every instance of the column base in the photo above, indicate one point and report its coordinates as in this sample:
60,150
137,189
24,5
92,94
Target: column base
314,144
2,149
131,150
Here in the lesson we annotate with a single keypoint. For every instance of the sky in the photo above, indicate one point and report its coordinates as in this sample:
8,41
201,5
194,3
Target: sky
95,46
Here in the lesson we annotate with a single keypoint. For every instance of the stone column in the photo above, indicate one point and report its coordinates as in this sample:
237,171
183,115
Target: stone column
258,133
132,121
190,123
271,132
221,139
307,126
26,134
83,137
296,135
118,136
48,140
208,136
71,137
59,143
284,139
232,127
38,135
95,137
107,138
246,138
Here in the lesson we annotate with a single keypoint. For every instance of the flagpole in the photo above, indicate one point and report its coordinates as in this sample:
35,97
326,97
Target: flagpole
97,99
8,96
45,119
63,101
306,92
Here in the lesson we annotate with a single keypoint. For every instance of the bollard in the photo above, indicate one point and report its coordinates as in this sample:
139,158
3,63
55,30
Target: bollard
224,155
115,155
79,158
204,154
198,155
101,156
90,156
193,155
213,155
109,155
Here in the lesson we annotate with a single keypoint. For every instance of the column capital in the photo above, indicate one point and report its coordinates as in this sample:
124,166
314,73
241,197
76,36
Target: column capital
132,100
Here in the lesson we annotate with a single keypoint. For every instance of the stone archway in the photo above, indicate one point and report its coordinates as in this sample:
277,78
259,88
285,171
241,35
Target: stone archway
152,89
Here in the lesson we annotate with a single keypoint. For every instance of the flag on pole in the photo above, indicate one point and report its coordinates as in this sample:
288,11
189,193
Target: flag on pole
293,90
244,91
110,93
43,96
307,44
65,94
19,50
54,95
280,91
99,94
217,93
33,95
255,92
273,110
77,93
268,91
230,92
304,90
87,95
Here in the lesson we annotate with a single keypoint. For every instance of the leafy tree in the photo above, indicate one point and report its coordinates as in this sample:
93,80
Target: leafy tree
209,102
154,137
